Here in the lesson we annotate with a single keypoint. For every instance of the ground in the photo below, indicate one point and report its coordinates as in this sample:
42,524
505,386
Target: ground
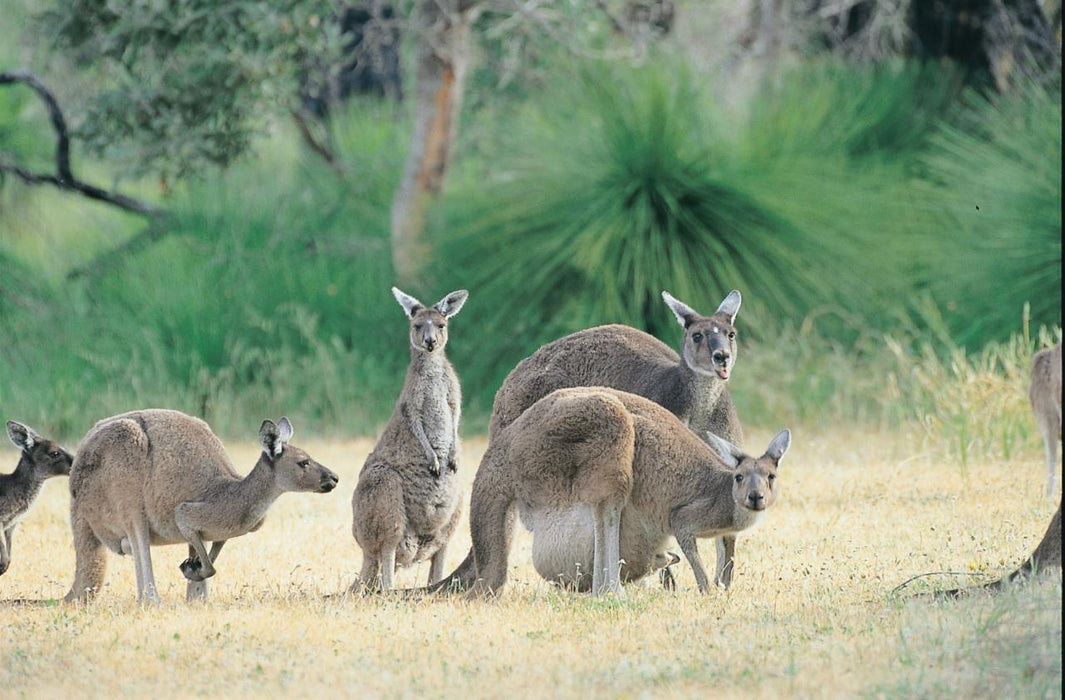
811,612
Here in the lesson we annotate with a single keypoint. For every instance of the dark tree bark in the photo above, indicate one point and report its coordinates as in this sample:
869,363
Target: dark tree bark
64,177
443,30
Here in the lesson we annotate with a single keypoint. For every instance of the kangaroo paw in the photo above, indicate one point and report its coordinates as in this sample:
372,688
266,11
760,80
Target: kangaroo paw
666,576
192,569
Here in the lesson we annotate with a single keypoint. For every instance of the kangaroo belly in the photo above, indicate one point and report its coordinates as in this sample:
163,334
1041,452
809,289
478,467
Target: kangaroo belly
563,547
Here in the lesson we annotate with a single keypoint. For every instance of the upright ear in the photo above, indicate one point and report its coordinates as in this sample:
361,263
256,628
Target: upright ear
452,303
285,426
779,445
23,436
728,452
730,306
409,303
684,313
270,438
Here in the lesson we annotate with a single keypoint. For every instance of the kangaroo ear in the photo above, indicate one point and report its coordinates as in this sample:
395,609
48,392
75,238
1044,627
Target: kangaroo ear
23,436
270,439
779,445
409,303
731,305
725,449
684,313
452,303
285,427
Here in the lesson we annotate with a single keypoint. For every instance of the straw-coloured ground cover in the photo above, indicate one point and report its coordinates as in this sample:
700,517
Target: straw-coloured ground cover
811,611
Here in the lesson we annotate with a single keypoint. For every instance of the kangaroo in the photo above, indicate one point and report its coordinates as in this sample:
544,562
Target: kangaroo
691,384
156,477
40,459
407,502
603,478
1045,397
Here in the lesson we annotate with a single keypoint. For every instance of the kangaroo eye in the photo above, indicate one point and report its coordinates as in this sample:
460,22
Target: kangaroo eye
697,337
440,326
303,463
418,326
732,335
739,478
54,454
772,477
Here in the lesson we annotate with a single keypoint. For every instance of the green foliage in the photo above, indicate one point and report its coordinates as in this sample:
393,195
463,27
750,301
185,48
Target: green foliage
622,183
995,179
185,85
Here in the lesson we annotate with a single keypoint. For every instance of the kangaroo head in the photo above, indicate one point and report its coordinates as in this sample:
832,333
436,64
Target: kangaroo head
428,324
294,469
46,457
709,341
754,478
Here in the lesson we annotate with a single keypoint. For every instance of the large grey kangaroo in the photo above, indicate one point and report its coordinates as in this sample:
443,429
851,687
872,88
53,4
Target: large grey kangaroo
691,384
603,478
1045,396
407,502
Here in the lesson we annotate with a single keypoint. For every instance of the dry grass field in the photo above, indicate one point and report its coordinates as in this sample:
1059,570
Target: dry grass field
811,612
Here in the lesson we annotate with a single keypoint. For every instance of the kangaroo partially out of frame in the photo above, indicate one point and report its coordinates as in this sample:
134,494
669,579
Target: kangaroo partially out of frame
39,459
1045,397
692,384
603,478
157,477
408,502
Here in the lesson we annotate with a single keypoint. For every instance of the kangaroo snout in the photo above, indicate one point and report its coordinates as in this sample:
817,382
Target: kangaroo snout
756,500
328,481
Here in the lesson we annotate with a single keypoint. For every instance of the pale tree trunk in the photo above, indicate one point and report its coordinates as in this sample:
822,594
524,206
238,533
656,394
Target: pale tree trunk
443,31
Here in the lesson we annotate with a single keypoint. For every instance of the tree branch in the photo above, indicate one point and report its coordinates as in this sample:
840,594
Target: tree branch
317,146
63,177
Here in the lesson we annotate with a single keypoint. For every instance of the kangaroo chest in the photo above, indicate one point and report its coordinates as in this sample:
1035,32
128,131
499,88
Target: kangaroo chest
431,399
15,500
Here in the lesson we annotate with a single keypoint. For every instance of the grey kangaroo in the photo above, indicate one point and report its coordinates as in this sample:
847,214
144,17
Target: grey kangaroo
39,459
407,502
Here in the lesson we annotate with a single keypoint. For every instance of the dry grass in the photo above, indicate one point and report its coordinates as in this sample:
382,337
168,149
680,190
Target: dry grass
811,612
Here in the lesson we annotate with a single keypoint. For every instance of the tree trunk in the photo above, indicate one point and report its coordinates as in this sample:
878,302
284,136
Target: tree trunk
443,30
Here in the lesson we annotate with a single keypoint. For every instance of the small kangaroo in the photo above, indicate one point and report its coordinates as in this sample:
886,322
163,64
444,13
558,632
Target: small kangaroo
40,459
691,384
603,478
1045,397
407,502
158,476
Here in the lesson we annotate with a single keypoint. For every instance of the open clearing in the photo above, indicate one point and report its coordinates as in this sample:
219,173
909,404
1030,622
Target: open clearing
810,612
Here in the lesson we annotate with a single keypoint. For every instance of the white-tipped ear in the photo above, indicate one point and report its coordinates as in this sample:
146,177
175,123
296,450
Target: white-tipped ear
731,305
725,449
270,438
779,445
23,436
285,427
408,302
684,313
452,303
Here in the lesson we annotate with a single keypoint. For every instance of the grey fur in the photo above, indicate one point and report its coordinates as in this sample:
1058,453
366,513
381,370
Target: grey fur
405,506
158,476
687,384
39,459
581,456
1045,397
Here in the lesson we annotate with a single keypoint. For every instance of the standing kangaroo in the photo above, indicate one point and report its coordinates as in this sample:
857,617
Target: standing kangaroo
157,477
691,384
1045,397
407,502
603,478
40,459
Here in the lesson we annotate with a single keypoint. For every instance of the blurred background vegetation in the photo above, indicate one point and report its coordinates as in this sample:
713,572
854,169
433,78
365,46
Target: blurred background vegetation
880,178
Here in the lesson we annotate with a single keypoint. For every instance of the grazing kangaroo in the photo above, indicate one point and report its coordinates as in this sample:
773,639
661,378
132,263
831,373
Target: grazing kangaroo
603,478
156,477
691,384
407,502
40,459
1045,397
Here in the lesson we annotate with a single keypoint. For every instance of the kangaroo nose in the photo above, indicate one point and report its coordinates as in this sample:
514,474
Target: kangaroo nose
720,357
329,481
430,344
755,499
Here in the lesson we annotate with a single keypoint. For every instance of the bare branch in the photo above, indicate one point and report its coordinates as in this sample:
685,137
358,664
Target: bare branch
316,145
64,178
